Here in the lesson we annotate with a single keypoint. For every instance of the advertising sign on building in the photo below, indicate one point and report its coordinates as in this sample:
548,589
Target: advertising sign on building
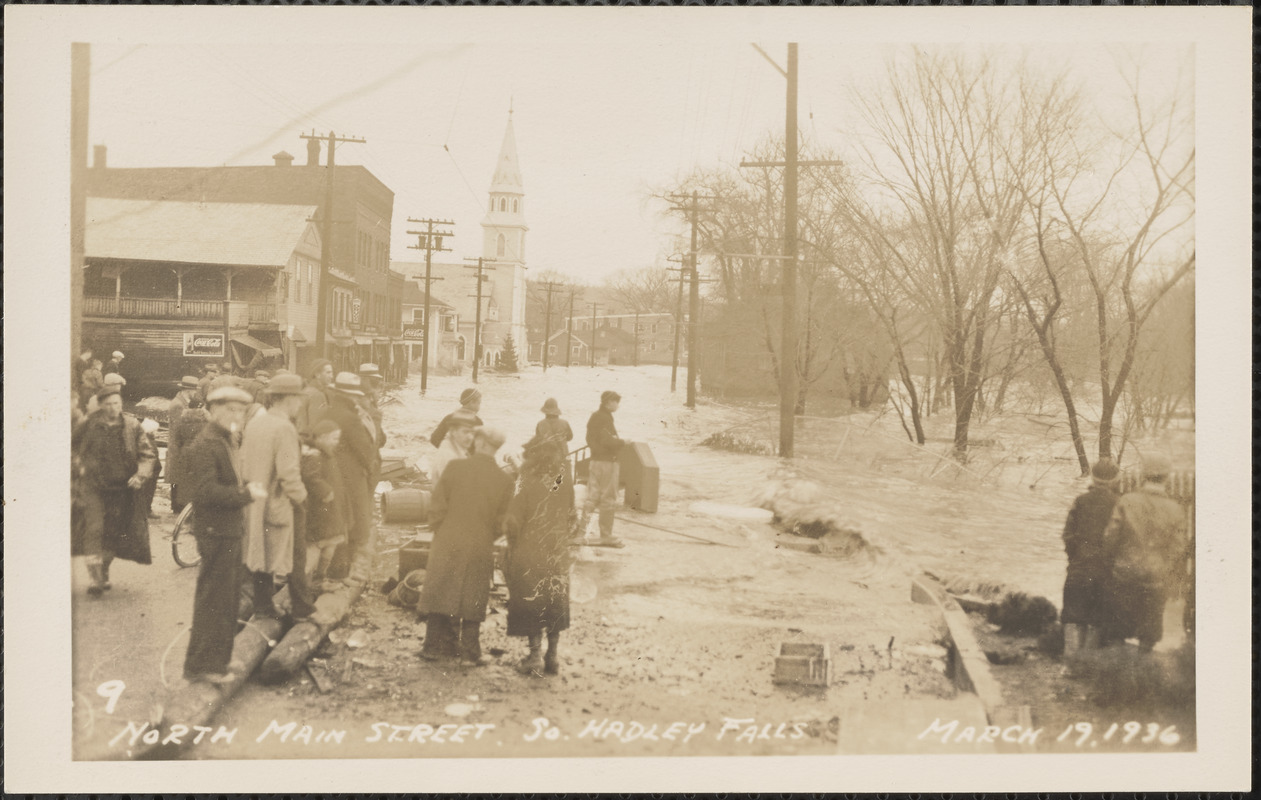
203,344
416,333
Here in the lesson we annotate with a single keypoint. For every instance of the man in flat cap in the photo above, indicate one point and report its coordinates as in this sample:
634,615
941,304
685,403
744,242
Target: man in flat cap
219,497
470,403
117,458
271,456
467,507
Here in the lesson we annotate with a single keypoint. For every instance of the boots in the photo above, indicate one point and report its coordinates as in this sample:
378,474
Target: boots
439,638
105,562
551,661
96,571
533,663
264,588
471,645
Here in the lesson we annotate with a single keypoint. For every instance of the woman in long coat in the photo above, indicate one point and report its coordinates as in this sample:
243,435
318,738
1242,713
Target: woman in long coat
537,524
466,511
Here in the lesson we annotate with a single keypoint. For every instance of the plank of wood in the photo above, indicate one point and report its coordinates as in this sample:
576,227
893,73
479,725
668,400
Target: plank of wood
293,651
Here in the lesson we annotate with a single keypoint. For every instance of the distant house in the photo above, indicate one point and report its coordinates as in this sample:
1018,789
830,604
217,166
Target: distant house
176,284
628,341
446,345
612,347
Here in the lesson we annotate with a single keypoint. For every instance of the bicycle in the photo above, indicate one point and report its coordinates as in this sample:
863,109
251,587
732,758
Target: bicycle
183,544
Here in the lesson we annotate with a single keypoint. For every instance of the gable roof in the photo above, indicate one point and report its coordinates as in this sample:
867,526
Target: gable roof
413,295
246,234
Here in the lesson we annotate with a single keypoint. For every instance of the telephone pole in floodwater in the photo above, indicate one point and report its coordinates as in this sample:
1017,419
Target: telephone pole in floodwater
691,205
430,240
477,324
326,236
550,287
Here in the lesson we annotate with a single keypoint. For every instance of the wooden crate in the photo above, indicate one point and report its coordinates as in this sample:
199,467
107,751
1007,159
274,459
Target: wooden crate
803,664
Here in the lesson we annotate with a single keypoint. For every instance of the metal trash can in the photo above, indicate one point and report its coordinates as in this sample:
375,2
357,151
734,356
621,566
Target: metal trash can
640,476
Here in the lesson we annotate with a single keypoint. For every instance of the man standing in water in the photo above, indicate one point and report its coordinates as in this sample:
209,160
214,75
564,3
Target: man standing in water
603,478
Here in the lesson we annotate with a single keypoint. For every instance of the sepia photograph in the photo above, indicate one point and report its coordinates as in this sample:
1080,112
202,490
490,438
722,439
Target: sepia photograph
496,386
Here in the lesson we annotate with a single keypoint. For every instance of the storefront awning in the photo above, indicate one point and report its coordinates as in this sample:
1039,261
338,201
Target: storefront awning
364,340
262,347
343,341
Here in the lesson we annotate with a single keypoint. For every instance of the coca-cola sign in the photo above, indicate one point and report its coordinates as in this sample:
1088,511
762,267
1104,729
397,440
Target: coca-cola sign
203,344
416,333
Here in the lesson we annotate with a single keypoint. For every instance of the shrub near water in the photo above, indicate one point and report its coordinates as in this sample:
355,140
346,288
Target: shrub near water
739,443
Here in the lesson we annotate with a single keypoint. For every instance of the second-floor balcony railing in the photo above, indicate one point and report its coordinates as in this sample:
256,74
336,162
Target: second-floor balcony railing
152,308
240,312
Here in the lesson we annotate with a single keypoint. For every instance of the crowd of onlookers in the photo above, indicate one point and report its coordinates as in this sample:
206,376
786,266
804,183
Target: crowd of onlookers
276,466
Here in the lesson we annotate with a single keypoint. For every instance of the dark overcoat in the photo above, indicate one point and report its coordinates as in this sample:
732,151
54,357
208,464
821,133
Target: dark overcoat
537,564
465,512
126,535
1087,577
214,484
327,520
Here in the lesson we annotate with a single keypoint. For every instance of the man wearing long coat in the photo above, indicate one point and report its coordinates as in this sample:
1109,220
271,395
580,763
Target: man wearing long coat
360,463
271,456
1086,581
1146,545
117,458
465,512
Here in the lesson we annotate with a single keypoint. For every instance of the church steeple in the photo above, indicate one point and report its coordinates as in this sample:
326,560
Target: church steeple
507,177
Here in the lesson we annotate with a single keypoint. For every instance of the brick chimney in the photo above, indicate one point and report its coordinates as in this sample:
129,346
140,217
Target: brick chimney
312,152
283,159
98,156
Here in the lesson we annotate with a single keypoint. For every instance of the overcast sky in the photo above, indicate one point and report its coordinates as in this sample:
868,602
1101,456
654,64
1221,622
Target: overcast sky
598,124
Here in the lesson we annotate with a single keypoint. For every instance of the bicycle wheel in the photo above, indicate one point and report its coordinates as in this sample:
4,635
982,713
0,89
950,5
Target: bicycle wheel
183,544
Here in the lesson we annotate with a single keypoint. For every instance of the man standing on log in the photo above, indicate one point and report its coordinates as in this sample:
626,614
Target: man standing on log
271,456
219,498
467,507
359,460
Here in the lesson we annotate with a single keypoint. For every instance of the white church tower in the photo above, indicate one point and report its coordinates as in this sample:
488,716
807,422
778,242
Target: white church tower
504,231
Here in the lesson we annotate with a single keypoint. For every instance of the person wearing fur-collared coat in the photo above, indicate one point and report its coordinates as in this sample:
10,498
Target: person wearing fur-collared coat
271,457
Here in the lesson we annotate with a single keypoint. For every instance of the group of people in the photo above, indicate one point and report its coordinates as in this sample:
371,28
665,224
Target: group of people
1127,556
269,479
474,502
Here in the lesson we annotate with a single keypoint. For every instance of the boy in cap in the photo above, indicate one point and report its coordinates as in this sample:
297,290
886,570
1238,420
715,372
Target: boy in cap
470,403
270,456
602,480
1087,576
328,516
219,497
1145,544
466,510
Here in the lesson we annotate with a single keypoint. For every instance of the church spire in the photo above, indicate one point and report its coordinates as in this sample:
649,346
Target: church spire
507,173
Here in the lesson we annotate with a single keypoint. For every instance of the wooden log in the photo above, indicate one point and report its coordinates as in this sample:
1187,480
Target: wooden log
293,651
198,703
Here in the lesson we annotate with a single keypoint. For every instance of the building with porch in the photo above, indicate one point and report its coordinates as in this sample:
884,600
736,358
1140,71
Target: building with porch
176,284
361,283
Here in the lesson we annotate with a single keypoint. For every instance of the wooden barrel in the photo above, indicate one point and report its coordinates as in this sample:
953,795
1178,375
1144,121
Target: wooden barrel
405,505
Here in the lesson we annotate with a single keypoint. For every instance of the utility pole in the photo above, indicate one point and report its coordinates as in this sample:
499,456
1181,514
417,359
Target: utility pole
477,324
429,241
692,208
326,243
80,82
594,306
678,319
550,287
788,341
569,336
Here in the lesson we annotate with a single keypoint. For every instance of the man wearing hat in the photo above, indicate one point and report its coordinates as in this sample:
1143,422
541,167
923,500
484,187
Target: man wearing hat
602,479
271,457
1146,546
359,460
470,403
179,403
1087,577
467,506
371,380
458,443
256,386
184,430
117,458
115,363
316,394
208,374
552,428
219,496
